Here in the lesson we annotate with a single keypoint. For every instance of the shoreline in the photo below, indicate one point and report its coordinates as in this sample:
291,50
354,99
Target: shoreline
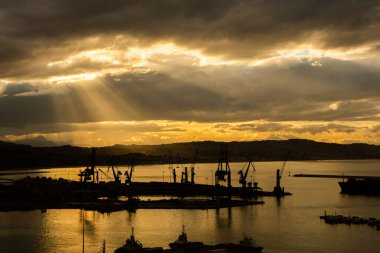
114,206
18,169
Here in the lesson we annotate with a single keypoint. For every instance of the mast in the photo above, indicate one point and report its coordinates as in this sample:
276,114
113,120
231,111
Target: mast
83,232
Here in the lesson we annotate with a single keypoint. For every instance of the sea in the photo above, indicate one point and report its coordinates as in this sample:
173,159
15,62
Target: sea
280,225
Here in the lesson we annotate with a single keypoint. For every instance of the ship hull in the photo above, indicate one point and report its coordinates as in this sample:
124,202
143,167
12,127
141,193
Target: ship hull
361,187
223,247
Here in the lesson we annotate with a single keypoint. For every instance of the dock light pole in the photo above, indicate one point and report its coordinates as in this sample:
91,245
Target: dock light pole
83,232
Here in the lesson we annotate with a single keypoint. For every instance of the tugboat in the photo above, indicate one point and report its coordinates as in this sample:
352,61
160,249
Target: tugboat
245,245
133,245
184,245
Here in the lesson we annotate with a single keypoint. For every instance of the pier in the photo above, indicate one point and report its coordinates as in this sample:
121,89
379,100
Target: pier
341,219
89,193
335,176
108,206
47,193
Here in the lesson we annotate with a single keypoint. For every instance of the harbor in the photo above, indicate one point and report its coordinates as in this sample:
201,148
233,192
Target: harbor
88,192
290,224
175,126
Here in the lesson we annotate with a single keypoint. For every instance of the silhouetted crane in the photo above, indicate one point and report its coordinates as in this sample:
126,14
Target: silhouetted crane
192,173
129,173
192,167
223,170
278,189
171,166
90,174
243,175
116,174
174,175
185,176
106,175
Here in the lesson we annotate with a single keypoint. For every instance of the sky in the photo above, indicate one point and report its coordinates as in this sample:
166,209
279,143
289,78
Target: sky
98,73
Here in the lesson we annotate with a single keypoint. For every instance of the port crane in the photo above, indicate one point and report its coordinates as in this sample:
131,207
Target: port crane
185,176
243,175
192,167
185,173
223,170
171,167
174,175
128,174
278,189
192,174
90,174
116,173
106,175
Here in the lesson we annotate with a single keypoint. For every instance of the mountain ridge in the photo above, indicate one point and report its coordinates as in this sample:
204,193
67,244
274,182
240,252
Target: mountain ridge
25,156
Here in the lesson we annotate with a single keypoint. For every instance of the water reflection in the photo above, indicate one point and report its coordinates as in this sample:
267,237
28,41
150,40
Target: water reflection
279,201
289,224
223,218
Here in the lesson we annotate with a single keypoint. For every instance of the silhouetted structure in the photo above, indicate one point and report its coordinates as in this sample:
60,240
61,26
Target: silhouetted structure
185,176
90,174
223,170
243,175
278,190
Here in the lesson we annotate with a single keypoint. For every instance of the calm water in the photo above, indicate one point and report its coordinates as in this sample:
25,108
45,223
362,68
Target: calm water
289,225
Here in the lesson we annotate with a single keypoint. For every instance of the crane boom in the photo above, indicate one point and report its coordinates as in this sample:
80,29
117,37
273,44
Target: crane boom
129,173
106,175
250,164
243,175
116,174
284,164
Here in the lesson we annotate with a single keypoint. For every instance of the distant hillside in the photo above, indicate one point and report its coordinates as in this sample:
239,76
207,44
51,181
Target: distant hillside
23,156
39,141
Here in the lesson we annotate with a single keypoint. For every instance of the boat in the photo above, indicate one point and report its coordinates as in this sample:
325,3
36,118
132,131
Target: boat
361,186
183,244
245,245
132,245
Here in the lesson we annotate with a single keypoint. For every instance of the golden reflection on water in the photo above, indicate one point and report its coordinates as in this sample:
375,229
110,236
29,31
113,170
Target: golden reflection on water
289,225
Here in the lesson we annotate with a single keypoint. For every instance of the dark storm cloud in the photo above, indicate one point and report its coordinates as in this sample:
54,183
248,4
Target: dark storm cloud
284,127
240,28
330,128
239,94
17,89
56,128
263,127
151,96
18,111
210,94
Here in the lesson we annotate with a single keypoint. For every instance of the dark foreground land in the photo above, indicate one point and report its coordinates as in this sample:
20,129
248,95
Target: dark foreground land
106,206
13,156
46,193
